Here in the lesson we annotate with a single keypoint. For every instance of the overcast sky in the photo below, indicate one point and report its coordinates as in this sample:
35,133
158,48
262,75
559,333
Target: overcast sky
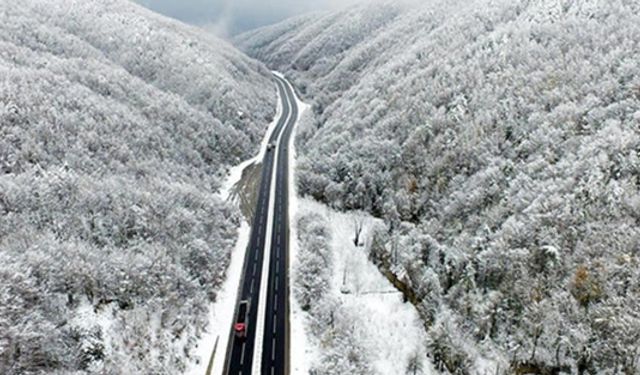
233,16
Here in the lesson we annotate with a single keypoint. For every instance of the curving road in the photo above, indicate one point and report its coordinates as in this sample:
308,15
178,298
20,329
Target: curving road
275,333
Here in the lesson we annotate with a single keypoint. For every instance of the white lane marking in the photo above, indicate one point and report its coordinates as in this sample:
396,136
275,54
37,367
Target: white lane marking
254,269
274,329
278,241
242,355
252,282
275,300
273,349
277,278
272,370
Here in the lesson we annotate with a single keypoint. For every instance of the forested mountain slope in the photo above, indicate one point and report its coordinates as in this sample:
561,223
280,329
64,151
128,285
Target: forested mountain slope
116,126
500,142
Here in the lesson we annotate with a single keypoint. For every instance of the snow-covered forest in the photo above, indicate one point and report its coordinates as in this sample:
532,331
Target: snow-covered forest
116,127
500,143
356,322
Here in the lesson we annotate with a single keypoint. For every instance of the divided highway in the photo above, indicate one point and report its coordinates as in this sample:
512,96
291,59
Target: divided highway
275,335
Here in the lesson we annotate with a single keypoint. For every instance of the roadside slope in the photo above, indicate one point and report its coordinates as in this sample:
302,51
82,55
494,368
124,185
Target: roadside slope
117,127
498,142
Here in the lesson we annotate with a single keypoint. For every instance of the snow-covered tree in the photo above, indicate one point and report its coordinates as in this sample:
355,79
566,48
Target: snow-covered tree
498,140
116,125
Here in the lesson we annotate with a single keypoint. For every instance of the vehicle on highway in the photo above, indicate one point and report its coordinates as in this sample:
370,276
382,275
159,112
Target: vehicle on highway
271,146
242,319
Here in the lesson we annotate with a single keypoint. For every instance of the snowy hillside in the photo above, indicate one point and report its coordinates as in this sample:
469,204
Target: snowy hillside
499,141
116,127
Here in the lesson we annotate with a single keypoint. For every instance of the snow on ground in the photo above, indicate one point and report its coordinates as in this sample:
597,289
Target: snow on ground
302,353
221,312
86,317
390,329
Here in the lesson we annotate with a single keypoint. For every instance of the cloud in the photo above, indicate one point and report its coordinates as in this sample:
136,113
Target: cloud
192,11
228,17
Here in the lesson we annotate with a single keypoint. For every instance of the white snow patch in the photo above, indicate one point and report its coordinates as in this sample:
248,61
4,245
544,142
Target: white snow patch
86,317
485,366
392,331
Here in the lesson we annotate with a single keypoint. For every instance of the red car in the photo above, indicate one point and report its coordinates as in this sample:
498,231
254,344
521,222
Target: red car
242,319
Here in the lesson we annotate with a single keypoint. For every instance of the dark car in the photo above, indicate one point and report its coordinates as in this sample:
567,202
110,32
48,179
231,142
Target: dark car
242,319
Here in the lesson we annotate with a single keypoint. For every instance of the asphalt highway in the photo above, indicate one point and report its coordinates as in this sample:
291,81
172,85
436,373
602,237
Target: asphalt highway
274,354
240,352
